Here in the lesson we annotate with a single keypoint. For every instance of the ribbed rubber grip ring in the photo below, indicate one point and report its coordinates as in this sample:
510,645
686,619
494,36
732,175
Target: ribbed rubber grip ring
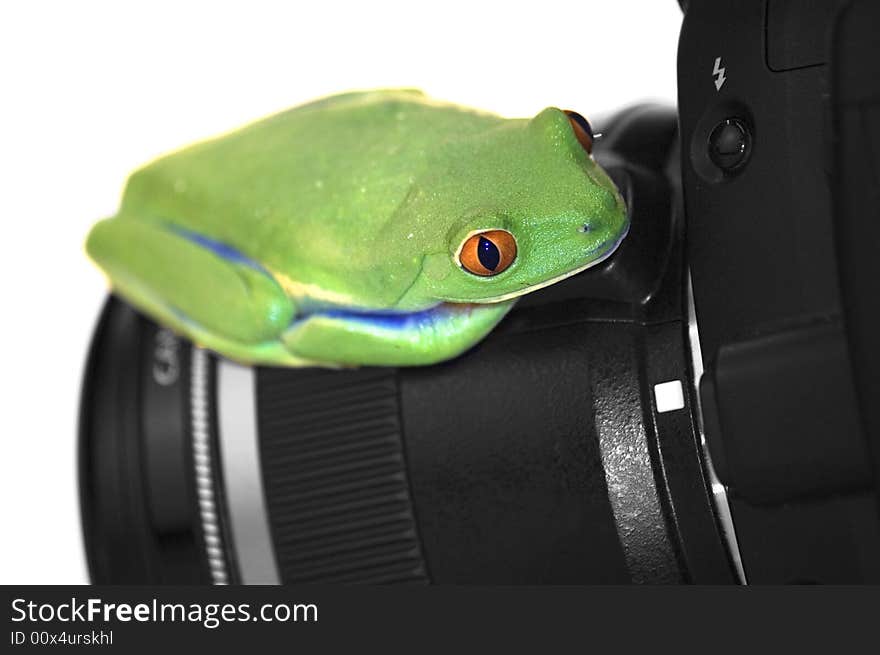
335,477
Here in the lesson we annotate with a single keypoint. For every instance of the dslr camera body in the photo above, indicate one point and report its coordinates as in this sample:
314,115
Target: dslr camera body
700,408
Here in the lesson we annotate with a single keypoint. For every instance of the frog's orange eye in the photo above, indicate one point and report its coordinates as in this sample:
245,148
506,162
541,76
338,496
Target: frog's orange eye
487,253
582,129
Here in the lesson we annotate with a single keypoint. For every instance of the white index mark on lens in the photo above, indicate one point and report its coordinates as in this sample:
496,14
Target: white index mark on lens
669,396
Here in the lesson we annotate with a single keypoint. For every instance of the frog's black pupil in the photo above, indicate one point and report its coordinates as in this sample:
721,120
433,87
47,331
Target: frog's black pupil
488,254
583,122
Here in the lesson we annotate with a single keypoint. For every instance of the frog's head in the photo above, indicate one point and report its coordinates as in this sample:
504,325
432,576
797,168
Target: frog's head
512,210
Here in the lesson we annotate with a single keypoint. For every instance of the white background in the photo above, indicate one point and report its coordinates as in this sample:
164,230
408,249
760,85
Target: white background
90,90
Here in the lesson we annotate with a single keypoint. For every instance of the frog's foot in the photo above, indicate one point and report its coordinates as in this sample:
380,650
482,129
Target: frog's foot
208,292
384,339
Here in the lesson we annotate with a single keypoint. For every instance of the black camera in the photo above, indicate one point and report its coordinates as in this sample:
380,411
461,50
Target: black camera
700,408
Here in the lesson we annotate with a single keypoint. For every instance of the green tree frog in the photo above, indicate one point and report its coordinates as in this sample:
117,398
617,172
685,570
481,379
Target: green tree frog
369,228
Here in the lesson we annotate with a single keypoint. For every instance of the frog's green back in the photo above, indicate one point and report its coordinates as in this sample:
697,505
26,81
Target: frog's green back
305,192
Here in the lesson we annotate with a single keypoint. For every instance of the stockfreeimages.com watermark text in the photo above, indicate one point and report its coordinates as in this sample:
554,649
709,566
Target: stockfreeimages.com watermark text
209,615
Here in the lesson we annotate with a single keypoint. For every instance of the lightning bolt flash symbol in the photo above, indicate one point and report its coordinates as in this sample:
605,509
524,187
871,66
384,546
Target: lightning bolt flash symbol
719,71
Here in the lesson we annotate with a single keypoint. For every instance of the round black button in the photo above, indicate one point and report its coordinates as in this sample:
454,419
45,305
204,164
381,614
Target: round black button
729,144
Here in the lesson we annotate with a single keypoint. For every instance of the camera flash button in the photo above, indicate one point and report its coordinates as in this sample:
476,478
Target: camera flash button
729,144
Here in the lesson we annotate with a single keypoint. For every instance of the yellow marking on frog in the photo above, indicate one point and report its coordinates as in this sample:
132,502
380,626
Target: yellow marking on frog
298,290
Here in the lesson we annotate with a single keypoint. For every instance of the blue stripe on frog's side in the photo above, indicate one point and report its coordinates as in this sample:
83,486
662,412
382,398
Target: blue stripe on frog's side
222,250
382,320
388,320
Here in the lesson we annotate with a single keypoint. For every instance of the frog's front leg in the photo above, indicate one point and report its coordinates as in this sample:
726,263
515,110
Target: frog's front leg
385,339
208,292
